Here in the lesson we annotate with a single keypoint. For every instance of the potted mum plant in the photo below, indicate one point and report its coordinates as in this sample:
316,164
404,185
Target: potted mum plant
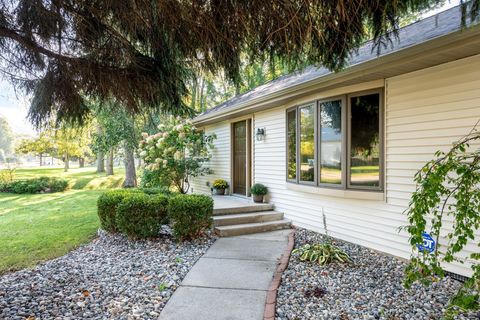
259,191
219,186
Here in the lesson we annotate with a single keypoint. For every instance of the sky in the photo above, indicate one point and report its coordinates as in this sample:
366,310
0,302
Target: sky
14,105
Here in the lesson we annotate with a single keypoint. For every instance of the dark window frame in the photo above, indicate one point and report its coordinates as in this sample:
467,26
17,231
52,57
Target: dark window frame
346,143
295,111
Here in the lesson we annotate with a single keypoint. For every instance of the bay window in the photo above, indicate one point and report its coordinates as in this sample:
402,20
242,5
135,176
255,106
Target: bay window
336,142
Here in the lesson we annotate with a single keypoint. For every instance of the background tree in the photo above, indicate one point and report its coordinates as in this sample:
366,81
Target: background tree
119,130
71,143
143,53
6,137
40,146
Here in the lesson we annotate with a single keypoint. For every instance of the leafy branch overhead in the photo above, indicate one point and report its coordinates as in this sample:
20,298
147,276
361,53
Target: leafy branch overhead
143,53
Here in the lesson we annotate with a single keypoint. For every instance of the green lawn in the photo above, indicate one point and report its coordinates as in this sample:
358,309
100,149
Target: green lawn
39,227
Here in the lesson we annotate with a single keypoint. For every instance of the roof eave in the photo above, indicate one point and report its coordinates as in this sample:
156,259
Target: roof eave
385,61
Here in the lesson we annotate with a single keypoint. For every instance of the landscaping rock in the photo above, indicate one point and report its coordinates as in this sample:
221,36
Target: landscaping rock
110,278
370,288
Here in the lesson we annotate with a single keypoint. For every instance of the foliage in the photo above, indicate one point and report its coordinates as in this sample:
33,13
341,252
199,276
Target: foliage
44,143
107,205
447,189
6,137
259,189
154,179
60,50
177,153
220,184
190,215
37,185
467,298
62,142
7,175
140,215
157,190
322,253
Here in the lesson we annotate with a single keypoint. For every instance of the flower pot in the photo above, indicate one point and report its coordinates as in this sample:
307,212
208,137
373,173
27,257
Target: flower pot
258,198
219,192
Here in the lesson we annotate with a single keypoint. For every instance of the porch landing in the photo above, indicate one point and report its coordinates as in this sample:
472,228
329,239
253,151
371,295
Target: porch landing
233,204
235,216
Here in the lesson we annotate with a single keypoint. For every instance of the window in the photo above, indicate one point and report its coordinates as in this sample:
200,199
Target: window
365,141
336,142
331,142
307,143
292,145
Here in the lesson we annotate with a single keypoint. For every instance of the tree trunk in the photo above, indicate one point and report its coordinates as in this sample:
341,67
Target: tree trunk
100,154
130,174
110,163
66,162
81,162
41,157
100,162
139,163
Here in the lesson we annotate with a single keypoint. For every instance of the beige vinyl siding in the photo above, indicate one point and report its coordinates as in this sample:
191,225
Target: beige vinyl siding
220,162
425,111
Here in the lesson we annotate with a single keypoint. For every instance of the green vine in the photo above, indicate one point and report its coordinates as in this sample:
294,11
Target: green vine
447,186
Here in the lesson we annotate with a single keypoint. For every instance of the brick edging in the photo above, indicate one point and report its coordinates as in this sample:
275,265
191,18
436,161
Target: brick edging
271,302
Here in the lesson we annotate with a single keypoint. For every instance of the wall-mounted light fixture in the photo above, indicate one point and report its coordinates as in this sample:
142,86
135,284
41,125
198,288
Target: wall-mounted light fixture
260,134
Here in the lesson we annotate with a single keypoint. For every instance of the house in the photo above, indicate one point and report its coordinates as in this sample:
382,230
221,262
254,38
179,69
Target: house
346,145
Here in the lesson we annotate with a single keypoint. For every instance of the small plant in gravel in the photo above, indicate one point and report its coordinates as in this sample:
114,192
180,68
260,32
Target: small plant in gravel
162,286
322,253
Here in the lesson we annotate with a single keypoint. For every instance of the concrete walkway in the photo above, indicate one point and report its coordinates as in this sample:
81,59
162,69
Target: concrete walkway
230,281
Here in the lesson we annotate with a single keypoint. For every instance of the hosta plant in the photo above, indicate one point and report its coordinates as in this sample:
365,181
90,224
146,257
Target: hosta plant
322,253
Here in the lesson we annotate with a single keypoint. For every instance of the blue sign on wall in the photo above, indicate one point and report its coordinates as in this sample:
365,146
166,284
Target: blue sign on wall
428,243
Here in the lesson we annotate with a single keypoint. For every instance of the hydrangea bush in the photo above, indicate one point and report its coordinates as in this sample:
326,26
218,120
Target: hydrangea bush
178,152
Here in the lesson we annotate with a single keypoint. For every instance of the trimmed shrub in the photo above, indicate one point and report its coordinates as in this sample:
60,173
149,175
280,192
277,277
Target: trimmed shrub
140,215
37,185
107,205
158,190
190,215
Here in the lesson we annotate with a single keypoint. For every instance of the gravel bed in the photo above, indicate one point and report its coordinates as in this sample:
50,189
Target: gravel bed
371,288
110,278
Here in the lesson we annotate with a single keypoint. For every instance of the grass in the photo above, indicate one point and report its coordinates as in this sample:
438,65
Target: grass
80,179
38,227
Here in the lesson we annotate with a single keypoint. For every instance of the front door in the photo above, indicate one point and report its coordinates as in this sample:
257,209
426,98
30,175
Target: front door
240,157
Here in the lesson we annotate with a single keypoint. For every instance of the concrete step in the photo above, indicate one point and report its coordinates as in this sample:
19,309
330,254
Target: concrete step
243,218
248,228
247,208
